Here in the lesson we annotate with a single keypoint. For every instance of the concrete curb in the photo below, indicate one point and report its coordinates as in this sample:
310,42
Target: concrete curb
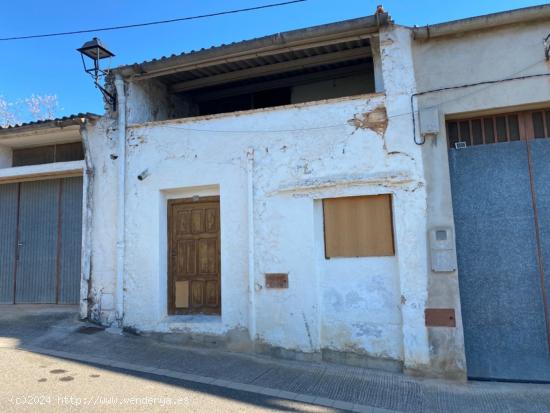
304,398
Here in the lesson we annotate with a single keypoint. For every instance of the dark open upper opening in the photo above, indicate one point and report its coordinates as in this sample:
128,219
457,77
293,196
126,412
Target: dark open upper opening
303,85
316,73
317,63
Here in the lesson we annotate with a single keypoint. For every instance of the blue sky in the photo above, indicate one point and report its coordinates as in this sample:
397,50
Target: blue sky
52,66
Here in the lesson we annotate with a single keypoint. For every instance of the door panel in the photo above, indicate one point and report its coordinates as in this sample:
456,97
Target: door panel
197,221
208,257
187,257
540,154
36,277
71,241
194,256
8,240
501,297
197,294
211,293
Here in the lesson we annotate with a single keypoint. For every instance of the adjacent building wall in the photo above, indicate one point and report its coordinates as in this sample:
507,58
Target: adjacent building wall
502,53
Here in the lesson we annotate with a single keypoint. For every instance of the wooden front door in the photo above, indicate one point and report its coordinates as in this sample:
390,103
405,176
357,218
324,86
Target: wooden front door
194,256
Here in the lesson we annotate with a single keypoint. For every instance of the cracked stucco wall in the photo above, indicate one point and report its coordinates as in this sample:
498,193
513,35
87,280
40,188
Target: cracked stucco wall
348,305
399,83
155,103
100,145
441,63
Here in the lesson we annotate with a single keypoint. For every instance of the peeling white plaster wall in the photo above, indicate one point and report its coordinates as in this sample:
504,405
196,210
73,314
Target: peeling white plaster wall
399,83
101,140
302,154
151,102
293,169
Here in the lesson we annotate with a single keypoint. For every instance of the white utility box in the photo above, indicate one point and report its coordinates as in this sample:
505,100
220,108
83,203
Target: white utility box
429,122
442,250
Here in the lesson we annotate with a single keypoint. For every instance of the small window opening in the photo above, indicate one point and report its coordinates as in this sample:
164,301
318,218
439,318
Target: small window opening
48,154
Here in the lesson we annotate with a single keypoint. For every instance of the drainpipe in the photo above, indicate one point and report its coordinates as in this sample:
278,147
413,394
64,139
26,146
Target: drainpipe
121,111
87,205
251,270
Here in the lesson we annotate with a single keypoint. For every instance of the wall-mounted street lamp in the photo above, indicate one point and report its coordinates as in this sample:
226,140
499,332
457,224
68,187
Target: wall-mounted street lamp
95,50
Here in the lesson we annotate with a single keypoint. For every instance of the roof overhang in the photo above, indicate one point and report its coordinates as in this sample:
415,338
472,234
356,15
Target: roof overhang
282,52
48,132
488,21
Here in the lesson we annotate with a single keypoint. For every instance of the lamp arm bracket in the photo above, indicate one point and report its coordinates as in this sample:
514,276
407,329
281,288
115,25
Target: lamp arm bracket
110,97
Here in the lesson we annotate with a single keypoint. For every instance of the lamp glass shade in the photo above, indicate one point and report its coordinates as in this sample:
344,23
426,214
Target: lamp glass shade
95,50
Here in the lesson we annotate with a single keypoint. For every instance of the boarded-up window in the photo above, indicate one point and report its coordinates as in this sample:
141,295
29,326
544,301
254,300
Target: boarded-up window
359,226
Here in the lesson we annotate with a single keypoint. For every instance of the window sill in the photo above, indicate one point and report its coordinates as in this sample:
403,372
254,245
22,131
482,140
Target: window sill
42,171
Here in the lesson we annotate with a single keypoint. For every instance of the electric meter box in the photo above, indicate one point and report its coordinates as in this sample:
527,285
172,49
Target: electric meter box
442,250
429,122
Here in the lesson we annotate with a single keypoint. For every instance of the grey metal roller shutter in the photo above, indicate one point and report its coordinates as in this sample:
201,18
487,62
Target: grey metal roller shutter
8,240
38,235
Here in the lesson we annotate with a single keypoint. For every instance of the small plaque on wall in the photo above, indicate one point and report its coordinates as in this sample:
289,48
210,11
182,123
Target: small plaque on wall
440,317
276,280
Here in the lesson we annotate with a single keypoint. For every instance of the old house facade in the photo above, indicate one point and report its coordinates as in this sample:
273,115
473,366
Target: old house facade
300,194
229,180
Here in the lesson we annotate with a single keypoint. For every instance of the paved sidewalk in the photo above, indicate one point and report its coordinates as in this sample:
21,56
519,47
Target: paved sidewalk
59,334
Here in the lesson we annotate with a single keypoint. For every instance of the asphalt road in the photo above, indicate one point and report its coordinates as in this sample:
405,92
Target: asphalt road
36,383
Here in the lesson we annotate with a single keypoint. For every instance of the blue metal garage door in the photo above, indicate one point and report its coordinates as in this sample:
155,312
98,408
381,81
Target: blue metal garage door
501,203
42,223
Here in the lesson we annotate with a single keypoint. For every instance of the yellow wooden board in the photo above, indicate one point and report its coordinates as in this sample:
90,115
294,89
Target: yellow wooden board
182,294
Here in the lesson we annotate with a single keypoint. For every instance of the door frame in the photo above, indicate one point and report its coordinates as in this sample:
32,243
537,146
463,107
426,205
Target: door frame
459,128
171,301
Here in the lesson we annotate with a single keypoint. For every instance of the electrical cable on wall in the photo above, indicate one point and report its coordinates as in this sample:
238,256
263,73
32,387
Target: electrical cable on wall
443,89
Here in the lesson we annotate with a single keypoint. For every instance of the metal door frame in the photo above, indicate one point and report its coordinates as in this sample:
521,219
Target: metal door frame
461,129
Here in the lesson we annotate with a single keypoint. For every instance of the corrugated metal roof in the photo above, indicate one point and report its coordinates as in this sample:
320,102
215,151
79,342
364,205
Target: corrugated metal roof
54,122
255,62
275,43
